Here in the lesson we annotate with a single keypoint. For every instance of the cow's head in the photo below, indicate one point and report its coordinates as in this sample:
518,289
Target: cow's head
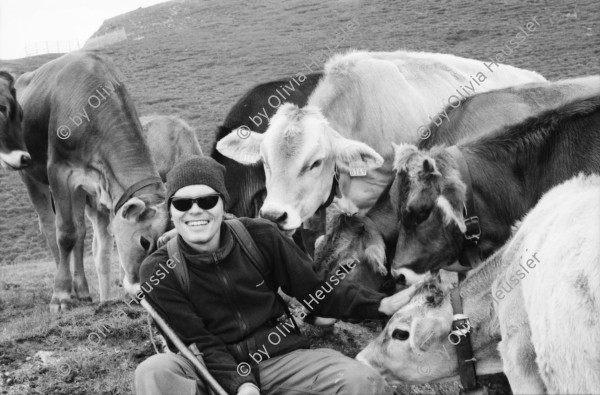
136,228
427,197
350,239
300,152
414,345
13,152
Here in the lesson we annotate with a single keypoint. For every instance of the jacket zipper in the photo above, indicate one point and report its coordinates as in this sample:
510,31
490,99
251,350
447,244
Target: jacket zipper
229,291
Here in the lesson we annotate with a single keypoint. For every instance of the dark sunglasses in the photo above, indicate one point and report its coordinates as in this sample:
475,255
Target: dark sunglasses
204,202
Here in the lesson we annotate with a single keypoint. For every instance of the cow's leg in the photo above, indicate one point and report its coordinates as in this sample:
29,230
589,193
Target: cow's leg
102,249
41,199
67,236
79,289
518,358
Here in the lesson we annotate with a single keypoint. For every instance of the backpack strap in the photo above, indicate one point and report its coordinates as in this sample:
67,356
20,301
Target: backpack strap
249,247
180,268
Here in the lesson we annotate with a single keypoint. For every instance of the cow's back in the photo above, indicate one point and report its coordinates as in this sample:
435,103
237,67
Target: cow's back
77,111
487,112
169,138
383,97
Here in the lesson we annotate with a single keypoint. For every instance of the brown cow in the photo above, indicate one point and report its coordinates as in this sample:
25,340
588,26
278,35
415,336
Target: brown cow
85,140
13,152
503,174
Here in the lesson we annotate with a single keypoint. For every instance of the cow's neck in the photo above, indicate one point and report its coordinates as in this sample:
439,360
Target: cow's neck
476,294
496,203
126,163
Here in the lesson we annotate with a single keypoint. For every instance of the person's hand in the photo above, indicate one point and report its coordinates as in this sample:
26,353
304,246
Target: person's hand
248,389
391,304
164,239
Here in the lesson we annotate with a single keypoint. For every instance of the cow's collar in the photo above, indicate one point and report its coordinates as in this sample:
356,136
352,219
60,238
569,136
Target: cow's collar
470,255
133,189
460,337
334,188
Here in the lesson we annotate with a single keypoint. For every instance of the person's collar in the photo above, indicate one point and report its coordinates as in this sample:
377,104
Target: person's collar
225,247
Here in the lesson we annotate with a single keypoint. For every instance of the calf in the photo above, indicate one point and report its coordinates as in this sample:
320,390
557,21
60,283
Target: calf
169,139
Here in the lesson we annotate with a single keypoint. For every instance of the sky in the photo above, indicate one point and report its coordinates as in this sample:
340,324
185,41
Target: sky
23,23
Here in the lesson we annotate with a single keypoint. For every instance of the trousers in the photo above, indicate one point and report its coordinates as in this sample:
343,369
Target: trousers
319,371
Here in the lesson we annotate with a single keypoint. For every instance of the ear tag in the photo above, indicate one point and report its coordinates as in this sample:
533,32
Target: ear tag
357,169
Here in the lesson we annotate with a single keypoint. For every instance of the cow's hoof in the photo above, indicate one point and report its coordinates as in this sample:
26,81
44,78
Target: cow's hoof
81,292
55,308
60,304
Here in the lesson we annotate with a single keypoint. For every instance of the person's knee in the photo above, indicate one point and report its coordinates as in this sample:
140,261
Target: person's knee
363,380
155,365
162,372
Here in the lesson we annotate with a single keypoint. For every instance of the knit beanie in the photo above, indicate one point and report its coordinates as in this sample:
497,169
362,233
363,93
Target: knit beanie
197,170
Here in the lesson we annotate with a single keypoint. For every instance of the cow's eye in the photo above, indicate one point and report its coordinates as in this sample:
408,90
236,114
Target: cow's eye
4,110
145,243
422,215
316,163
399,334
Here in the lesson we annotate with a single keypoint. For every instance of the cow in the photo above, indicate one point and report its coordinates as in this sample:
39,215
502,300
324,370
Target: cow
245,183
86,144
365,101
13,153
169,139
476,116
532,306
446,198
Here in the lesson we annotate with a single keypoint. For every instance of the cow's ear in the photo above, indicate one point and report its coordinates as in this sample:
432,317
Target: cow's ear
241,145
354,153
132,209
424,332
402,153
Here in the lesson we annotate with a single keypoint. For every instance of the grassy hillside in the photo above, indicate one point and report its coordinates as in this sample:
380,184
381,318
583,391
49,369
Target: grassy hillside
194,59
197,58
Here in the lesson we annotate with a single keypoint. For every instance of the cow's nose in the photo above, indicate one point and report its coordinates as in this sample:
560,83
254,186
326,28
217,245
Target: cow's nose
273,216
25,160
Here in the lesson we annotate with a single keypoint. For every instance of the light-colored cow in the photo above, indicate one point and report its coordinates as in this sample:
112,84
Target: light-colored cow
365,101
534,306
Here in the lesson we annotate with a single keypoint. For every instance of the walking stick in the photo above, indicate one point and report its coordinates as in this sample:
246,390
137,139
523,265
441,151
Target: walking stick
204,373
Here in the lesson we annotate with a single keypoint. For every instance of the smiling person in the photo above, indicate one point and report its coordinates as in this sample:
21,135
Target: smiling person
230,311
